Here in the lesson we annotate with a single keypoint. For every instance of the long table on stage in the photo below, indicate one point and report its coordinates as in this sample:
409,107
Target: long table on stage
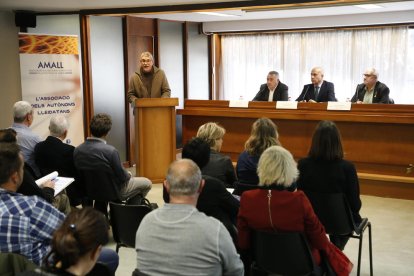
377,138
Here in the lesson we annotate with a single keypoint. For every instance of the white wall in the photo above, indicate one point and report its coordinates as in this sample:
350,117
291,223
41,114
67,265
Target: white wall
10,91
107,65
171,56
197,64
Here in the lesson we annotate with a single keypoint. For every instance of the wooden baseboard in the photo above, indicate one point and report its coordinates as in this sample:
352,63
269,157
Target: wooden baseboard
401,187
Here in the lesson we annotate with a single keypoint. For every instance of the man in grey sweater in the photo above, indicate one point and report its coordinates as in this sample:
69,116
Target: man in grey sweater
177,239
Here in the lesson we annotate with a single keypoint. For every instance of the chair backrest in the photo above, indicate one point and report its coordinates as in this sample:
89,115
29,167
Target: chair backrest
240,188
125,220
282,253
100,185
333,211
12,264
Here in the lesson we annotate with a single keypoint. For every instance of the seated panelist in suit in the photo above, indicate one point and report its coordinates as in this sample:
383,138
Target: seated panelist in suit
371,91
319,90
273,90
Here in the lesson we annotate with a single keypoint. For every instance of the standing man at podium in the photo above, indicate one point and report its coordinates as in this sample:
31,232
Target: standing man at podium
148,81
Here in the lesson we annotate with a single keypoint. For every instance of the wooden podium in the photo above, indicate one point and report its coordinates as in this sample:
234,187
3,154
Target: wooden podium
155,142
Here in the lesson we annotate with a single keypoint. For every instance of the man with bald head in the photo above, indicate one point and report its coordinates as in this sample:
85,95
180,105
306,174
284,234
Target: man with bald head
319,90
372,90
192,242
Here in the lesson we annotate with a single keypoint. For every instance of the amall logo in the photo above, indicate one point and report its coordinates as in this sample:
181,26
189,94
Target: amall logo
51,65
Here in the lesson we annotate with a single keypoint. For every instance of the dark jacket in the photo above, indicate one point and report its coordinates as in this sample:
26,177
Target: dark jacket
280,94
30,188
381,93
326,93
54,155
331,177
247,169
221,167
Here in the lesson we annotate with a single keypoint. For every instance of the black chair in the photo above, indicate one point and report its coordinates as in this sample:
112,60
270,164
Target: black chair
335,214
240,188
282,253
125,220
101,186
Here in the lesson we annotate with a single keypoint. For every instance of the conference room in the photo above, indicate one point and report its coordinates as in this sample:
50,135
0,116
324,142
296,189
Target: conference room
215,54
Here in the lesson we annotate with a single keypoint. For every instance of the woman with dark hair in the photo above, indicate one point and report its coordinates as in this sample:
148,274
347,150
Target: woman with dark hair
263,135
325,171
76,245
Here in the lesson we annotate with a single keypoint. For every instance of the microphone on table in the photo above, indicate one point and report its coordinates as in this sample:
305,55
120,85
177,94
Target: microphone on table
307,88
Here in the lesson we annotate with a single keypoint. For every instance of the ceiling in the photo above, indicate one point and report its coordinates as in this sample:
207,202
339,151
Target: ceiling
231,14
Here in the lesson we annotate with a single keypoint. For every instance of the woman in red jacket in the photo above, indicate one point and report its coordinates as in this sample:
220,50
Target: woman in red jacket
277,206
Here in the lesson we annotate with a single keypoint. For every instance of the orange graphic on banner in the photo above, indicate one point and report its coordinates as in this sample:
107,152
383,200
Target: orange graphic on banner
47,44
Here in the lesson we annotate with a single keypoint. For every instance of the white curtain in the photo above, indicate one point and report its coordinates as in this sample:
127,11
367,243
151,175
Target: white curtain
344,55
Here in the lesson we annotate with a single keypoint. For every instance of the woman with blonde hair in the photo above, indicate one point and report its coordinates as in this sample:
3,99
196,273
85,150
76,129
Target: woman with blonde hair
220,166
263,135
277,206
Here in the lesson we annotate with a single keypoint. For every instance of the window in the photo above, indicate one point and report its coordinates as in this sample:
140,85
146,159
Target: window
344,55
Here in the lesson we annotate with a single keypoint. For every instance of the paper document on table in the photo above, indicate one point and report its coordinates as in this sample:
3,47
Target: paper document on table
60,182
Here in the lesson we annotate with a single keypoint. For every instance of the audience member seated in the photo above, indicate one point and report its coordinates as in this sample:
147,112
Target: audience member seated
29,187
96,154
263,135
177,239
23,118
277,206
325,171
27,222
77,245
53,154
220,166
214,199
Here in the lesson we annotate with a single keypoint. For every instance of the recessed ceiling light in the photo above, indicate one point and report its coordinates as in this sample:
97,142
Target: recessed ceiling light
369,6
217,14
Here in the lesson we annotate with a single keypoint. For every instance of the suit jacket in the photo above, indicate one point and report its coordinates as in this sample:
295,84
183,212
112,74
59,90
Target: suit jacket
381,93
290,212
280,94
326,93
217,202
221,167
30,188
331,177
54,155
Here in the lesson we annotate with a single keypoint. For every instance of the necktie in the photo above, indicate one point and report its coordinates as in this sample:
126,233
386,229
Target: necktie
316,92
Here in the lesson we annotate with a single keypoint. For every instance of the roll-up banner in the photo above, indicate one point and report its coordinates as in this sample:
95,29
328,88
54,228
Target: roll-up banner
51,81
